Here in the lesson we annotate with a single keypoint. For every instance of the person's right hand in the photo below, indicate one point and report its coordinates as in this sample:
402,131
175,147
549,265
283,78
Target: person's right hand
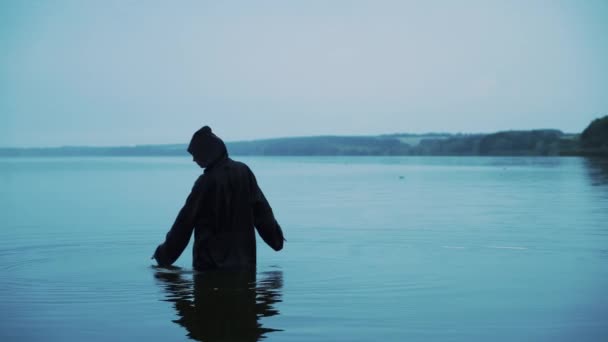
158,255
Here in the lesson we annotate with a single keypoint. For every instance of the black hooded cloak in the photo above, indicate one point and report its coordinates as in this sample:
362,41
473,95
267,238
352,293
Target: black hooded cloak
224,209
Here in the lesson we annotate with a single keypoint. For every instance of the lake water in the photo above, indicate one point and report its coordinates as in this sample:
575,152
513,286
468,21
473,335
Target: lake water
378,249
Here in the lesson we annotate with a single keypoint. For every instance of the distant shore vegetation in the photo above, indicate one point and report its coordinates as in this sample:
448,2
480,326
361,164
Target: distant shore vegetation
593,141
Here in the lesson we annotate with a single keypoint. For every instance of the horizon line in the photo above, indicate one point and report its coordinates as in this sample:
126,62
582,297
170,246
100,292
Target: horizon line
286,137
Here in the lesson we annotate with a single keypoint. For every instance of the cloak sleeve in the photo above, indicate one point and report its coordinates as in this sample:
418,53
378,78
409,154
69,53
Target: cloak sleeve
263,218
179,235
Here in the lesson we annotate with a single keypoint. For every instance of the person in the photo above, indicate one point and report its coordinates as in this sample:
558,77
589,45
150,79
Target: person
224,209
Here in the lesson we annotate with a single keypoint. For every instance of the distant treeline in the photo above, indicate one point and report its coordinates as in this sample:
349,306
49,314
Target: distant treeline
593,141
83,151
538,142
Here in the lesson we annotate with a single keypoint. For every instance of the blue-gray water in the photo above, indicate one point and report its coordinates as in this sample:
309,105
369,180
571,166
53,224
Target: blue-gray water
378,249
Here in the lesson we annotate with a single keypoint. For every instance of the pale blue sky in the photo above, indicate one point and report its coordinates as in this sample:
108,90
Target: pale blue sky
142,72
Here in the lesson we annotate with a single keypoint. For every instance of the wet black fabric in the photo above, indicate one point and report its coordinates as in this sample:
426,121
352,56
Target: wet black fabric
224,209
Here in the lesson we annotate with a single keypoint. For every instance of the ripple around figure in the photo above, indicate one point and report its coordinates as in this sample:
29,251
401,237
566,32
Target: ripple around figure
222,305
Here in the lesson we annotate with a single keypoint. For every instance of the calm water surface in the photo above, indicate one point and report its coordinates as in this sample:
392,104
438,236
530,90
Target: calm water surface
378,249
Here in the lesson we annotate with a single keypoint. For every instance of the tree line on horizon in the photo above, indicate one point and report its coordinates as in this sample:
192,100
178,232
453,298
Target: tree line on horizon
593,141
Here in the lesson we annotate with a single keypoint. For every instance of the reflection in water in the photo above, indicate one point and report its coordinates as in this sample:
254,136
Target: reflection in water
598,170
222,305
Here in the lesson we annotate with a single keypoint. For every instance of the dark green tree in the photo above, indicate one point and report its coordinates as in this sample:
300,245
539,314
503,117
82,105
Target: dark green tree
595,136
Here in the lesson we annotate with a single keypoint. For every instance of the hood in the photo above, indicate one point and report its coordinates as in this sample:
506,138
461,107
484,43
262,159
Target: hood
206,147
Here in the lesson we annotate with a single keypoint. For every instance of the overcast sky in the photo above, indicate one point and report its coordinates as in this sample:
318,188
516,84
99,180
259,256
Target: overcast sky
144,72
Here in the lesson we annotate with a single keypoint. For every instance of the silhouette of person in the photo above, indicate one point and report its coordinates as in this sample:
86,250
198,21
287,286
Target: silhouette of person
223,208
223,305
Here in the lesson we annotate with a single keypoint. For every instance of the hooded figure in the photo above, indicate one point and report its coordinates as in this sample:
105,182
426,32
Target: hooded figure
224,208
